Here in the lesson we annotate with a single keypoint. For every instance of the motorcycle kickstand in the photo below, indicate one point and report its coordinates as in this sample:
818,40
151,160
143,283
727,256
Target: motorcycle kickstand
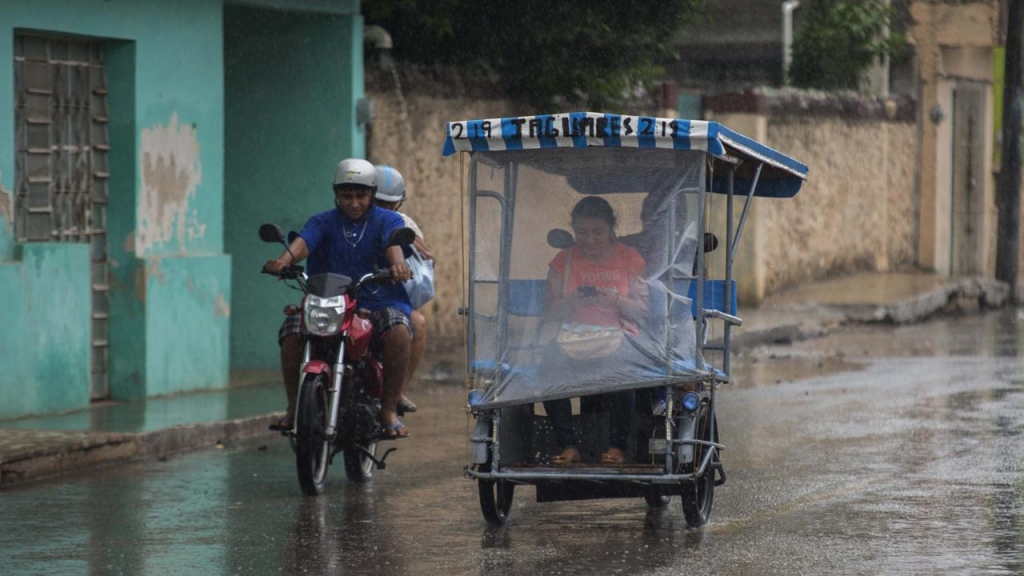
379,463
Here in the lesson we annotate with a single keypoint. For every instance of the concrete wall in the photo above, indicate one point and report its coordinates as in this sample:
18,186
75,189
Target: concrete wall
44,362
858,209
291,89
165,70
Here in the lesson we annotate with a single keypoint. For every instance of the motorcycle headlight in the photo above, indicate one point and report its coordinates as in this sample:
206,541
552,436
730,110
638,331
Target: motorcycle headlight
323,316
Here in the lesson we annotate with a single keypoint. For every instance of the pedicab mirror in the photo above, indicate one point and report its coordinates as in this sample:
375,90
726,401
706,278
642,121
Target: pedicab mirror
710,242
560,239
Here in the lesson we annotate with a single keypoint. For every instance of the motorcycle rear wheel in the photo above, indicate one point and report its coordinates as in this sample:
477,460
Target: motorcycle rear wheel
358,466
312,449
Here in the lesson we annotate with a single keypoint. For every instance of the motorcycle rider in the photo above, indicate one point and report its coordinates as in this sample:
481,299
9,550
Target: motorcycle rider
351,239
390,195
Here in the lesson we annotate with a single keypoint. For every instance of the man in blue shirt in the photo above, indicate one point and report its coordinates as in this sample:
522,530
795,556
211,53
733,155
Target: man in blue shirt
351,239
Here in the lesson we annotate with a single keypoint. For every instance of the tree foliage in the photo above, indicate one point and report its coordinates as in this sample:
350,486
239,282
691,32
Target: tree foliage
838,41
546,52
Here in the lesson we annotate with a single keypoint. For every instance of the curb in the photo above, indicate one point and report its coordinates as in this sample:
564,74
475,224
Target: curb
958,296
82,451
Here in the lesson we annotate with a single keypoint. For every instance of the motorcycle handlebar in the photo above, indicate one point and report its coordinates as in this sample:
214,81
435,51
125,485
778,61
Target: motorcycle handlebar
287,273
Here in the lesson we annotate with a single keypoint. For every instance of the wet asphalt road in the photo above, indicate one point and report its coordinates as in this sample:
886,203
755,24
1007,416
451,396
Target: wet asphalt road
874,451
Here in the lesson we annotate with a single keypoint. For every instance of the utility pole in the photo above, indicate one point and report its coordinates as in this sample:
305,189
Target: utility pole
1008,200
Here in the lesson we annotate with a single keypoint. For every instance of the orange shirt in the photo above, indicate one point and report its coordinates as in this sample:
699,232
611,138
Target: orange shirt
614,272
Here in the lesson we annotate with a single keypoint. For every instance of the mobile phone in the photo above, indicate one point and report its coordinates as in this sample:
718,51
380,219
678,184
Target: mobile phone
587,290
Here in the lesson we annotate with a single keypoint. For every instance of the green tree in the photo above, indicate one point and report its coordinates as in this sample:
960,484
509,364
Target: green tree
545,52
838,41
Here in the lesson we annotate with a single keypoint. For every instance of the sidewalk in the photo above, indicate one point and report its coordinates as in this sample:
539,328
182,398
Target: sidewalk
113,432
118,432
813,310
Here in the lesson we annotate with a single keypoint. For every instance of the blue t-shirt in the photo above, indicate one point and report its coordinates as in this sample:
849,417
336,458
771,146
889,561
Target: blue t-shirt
340,245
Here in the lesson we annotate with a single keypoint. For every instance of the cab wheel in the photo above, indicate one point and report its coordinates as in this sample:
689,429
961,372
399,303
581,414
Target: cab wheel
699,493
496,500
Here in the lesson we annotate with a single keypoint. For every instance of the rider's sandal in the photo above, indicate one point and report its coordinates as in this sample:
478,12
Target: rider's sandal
285,424
567,457
396,431
613,456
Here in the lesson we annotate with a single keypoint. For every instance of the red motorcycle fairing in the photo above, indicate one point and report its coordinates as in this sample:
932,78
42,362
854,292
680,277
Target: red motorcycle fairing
360,332
373,378
316,367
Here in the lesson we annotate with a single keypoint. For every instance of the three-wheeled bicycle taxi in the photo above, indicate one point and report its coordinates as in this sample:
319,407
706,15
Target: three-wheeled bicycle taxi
587,279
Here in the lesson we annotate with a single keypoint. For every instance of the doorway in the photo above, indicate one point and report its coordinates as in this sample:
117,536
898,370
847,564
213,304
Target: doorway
62,146
967,179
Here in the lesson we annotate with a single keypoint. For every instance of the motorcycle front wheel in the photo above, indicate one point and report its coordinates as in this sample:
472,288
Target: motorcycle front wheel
311,446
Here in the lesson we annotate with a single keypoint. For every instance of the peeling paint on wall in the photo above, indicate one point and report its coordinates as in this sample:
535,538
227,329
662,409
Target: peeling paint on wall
221,308
154,270
171,173
6,204
129,243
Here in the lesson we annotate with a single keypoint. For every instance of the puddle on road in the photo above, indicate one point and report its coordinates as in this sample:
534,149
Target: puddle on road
997,334
757,371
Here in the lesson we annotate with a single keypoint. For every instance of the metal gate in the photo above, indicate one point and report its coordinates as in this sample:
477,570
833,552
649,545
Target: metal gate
61,173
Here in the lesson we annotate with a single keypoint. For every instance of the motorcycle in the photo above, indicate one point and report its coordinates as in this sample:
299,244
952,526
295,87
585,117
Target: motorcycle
342,383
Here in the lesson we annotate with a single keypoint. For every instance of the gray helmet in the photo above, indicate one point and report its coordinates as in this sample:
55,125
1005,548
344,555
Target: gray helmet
390,184
355,171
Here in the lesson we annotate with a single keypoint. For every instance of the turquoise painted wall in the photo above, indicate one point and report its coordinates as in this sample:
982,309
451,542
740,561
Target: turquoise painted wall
44,362
290,92
166,75
186,344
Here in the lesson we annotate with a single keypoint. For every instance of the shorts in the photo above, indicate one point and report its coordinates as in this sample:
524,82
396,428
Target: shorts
383,319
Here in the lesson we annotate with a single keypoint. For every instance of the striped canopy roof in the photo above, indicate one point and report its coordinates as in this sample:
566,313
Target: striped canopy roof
782,175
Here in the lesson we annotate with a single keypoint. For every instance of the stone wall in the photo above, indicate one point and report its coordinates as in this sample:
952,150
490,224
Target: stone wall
411,141
858,209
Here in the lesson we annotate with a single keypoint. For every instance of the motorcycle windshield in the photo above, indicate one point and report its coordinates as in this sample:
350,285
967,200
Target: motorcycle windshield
582,271
329,285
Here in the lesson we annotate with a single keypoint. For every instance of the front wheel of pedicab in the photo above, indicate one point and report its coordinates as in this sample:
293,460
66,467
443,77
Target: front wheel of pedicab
495,500
699,494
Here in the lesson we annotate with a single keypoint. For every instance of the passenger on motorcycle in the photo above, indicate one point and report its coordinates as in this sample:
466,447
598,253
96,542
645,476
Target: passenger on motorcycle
390,195
351,239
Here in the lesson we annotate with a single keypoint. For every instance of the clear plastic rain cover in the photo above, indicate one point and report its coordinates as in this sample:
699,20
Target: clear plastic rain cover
580,269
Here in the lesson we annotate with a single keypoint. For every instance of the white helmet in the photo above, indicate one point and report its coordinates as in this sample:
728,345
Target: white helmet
390,184
355,171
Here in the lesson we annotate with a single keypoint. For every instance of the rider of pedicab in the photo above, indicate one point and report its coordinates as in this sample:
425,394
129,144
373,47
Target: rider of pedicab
670,255
351,239
391,194
596,294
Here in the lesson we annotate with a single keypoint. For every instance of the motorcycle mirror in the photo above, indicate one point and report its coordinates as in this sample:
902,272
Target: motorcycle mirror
558,238
271,233
710,242
402,237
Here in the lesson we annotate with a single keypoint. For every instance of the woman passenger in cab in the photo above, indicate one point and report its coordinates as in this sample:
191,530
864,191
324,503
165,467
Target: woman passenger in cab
595,295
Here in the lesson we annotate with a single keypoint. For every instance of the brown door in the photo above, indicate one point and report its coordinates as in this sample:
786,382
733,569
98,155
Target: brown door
967,189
